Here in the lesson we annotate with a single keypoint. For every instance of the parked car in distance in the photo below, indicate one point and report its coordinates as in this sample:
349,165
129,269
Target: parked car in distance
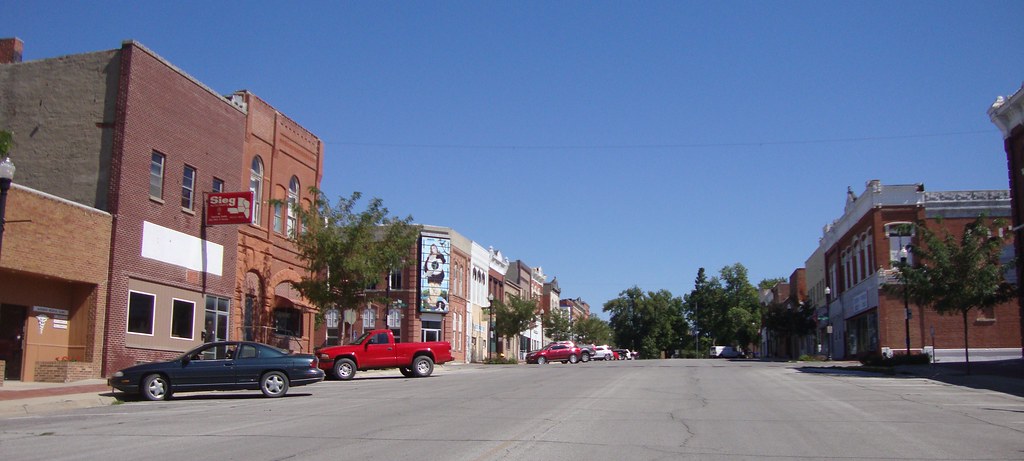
602,353
586,352
221,366
624,354
727,352
377,349
555,352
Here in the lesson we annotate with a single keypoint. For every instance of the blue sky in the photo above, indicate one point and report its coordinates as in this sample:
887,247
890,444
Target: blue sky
612,143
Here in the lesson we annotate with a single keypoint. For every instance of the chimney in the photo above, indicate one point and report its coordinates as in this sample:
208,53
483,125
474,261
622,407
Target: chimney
10,50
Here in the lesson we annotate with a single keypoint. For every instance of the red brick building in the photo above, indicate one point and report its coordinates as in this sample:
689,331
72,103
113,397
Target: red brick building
282,160
1008,114
862,250
126,132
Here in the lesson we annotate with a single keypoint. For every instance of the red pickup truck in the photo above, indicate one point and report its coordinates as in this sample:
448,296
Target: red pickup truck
377,349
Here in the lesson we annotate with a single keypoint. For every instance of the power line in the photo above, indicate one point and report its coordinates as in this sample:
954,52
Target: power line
656,146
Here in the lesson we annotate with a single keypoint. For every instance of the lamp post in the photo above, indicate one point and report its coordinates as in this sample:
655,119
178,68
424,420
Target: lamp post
906,295
6,176
490,327
828,328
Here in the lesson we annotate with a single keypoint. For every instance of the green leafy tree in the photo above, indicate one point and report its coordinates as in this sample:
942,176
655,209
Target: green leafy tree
790,323
646,322
699,307
767,284
592,330
955,276
346,251
512,318
557,325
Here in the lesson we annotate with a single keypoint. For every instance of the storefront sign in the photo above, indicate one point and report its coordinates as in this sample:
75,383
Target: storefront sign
229,208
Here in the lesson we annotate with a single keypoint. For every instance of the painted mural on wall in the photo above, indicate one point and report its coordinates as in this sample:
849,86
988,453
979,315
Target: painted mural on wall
435,254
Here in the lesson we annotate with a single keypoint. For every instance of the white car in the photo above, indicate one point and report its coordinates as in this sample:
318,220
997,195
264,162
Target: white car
727,352
602,353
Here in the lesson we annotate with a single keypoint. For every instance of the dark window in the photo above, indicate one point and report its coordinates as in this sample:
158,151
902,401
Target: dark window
140,313
218,185
182,319
288,321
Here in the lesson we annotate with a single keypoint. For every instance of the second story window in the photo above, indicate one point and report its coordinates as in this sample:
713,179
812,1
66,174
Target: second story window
278,216
218,185
256,187
156,176
293,202
188,185
395,280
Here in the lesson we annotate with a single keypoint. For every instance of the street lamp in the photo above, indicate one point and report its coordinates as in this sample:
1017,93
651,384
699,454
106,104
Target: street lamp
906,295
490,327
828,328
6,176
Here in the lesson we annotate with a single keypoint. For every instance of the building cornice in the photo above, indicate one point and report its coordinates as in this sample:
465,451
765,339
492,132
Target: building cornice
1007,112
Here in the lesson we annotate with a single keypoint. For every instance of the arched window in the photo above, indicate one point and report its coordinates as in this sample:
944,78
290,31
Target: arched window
869,254
256,187
369,318
293,203
858,274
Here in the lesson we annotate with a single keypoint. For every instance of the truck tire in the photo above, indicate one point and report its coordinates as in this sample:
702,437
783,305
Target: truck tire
585,357
422,366
344,369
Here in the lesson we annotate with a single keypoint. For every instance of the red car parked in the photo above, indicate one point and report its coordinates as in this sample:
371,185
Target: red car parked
555,352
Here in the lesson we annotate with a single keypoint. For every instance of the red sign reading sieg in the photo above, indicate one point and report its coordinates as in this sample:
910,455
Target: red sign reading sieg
229,208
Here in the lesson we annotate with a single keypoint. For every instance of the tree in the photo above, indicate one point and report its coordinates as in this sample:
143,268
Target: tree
512,318
592,330
557,325
785,320
646,322
346,251
956,276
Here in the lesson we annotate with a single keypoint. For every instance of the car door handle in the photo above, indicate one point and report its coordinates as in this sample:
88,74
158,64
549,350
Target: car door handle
390,348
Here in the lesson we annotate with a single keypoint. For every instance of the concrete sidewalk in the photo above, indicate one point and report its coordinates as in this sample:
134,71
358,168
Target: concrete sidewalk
19,398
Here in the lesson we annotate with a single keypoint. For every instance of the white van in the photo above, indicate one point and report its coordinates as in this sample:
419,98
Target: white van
727,352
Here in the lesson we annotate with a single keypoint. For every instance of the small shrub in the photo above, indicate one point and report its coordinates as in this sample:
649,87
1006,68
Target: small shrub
501,361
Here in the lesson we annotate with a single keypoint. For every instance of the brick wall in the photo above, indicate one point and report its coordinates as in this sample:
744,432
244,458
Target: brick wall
160,108
10,50
65,372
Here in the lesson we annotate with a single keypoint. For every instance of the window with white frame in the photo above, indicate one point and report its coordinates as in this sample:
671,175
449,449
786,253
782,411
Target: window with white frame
256,187
141,312
901,235
369,318
188,187
431,331
156,175
278,216
394,318
218,185
293,203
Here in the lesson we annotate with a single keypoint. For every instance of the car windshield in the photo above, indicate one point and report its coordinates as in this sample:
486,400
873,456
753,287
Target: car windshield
360,339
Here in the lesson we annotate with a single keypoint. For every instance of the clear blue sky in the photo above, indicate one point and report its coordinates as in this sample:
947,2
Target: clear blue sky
612,143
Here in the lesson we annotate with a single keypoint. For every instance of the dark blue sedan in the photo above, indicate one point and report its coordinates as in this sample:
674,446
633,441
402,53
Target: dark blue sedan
220,366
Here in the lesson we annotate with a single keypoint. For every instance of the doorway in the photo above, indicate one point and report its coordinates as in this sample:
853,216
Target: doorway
12,339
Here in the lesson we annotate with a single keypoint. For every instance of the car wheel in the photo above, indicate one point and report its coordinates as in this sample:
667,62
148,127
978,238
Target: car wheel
344,369
406,371
156,387
541,360
585,357
573,358
422,366
274,384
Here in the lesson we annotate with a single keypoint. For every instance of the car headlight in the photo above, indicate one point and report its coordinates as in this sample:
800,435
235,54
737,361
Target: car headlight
118,375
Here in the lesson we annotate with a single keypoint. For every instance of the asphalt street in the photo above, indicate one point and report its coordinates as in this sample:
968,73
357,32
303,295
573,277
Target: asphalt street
636,410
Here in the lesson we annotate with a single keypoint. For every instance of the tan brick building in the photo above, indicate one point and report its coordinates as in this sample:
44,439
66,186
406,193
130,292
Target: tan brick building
53,281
